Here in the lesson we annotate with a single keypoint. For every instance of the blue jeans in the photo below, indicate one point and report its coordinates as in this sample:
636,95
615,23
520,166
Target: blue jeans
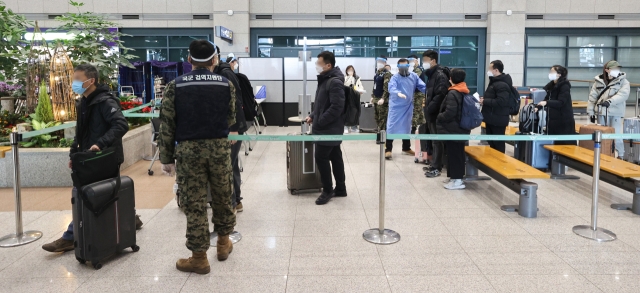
68,235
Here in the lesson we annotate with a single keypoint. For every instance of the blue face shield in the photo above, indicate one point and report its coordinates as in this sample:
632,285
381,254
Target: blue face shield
77,88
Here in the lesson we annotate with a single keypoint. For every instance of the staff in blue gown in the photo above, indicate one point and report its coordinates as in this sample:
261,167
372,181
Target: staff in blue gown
401,88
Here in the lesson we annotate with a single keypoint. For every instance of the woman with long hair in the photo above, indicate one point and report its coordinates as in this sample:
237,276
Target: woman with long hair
558,104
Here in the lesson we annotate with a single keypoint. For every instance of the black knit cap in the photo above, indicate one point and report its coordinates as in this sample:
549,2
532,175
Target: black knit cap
201,50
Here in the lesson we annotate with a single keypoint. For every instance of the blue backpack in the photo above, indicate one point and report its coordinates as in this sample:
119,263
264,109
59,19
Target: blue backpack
471,116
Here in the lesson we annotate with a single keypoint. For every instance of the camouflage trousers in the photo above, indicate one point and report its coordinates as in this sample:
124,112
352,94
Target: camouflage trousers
202,164
381,113
418,113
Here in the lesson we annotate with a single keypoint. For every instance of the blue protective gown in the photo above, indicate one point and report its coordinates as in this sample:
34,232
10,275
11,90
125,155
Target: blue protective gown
401,110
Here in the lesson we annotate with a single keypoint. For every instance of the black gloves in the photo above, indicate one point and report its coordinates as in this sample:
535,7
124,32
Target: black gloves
593,118
605,104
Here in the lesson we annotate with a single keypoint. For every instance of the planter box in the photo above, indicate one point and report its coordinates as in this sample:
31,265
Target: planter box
47,167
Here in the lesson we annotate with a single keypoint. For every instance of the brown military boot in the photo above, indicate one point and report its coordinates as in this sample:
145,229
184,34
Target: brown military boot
197,263
224,246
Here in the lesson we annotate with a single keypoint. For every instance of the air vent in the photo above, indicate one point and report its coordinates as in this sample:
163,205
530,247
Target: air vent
201,16
53,16
606,16
404,16
333,17
263,16
472,16
132,16
535,16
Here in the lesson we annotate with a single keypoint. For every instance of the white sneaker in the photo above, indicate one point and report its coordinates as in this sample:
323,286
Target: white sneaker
455,184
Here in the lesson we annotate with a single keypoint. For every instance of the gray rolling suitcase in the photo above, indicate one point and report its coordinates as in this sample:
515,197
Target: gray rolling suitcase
538,96
104,221
302,172
533,153
367,118
631,147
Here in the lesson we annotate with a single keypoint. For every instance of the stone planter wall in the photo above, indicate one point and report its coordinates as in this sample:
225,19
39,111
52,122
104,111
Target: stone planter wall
47,167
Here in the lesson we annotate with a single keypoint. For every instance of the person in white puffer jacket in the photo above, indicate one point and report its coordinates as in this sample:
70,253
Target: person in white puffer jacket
610,91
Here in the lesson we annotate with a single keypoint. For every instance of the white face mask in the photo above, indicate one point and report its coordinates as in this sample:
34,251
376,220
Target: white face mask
553,76
614,73
379,65
426,65
489,73
411,68
350,73
319,69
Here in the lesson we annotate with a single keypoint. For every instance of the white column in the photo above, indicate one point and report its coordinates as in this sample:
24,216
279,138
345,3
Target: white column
238,23
505,36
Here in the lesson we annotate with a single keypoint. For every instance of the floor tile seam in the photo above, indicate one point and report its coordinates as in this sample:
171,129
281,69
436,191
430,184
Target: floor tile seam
185,281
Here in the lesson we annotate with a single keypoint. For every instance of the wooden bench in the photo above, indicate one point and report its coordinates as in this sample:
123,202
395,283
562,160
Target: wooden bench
3,150
508,171
579,107
614,171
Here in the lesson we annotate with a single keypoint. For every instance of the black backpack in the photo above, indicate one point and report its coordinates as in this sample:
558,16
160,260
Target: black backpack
514,101
351,112
249,104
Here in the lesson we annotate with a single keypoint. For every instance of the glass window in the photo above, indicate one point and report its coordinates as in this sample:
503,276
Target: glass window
591,41
629,57
367,41
545,57
264,52
579,93
633,75
537,77
425,41
462,57
320,41
589,57
141,54
460,41
157,54
278,41
183,41
178,55
629,41
472,78
145,42
547,41
584,74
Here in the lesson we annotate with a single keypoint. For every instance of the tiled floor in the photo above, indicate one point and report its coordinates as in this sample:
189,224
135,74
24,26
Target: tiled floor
452,241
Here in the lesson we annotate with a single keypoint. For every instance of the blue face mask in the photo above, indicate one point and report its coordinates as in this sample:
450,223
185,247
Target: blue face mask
77,88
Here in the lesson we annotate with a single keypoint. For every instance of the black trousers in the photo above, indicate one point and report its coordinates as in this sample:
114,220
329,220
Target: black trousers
237,180
438,148
455,159
496,130
328,157
406,145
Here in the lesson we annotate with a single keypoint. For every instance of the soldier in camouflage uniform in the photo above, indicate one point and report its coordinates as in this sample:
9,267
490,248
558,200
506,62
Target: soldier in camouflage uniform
197,110
381,93
418,97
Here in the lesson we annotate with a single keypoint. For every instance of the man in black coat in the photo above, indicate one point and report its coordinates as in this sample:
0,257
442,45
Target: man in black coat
100,125
495,103
327,119
225,70
437,88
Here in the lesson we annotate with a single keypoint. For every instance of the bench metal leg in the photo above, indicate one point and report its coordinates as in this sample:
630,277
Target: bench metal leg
472,172
558,170
528,202
634,207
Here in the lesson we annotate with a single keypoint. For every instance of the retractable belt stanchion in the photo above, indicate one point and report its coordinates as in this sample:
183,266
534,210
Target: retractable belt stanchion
20,237
381,235
592,231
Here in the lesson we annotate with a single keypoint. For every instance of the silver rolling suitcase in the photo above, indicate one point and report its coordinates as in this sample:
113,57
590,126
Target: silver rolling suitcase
631,147
302,173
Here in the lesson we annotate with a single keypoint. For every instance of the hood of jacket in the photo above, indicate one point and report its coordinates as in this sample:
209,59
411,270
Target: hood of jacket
506,78
333,72
221,66
460,87
429,72
618,80
97,95
551,85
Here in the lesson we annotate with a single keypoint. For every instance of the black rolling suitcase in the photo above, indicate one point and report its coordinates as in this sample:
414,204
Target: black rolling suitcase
104,220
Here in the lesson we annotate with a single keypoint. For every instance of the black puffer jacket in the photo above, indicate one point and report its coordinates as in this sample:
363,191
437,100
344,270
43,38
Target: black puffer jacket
100,122
224,69
329,106
437,88
450,114
560,108
495,108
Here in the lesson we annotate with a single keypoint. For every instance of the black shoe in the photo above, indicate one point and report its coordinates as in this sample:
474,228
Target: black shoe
138,222
339,193
433,173
324,198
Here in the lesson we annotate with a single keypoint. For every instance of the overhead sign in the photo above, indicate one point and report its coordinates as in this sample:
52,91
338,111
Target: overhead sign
224,33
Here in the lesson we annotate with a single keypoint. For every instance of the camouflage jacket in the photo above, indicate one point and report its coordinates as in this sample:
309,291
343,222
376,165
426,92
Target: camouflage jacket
385,94
166,139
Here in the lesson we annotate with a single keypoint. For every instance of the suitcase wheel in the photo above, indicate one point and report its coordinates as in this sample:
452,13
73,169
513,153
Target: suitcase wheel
135,248
293,192
416,160
81,261
251,149
150,173
97,266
